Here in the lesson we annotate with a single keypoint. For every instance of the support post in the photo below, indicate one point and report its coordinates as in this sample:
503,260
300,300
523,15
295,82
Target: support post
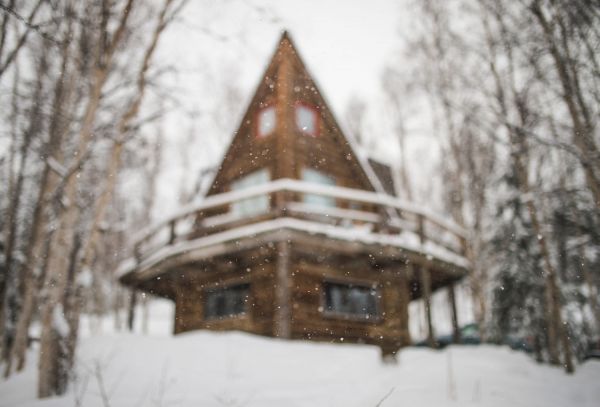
131,313
282,323
456,338
426,291
404,303
172,232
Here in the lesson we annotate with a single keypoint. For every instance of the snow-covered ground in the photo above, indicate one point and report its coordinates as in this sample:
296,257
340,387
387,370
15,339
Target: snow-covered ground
236,369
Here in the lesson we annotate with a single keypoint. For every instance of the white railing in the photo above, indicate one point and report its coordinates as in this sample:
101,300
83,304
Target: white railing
384,214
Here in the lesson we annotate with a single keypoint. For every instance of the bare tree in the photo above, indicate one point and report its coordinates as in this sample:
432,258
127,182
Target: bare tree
53,341
166,14
467,156
66,116
11,287
22,32
397,90
558,20
355,119
51,173
517,80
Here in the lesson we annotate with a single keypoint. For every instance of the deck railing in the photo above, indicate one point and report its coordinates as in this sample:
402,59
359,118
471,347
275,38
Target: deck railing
375,212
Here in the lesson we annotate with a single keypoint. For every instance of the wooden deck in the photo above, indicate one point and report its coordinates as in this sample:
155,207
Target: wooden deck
377,225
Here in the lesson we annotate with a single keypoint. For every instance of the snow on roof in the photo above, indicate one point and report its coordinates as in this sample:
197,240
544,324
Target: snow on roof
405,240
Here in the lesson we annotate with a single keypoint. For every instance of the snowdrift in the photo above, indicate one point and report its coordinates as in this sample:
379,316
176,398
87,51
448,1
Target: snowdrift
237,369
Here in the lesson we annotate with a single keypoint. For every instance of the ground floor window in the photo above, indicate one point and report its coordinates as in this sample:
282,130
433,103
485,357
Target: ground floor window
226,302
352,300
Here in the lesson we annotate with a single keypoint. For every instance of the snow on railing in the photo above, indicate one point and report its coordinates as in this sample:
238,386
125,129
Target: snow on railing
406,216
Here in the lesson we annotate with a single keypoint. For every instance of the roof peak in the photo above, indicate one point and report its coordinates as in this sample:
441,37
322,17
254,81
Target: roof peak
285,34
286,40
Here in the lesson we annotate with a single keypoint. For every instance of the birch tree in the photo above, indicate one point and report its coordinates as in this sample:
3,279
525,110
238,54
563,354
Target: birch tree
60,314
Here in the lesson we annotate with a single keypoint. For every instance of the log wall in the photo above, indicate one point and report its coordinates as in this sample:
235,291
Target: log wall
309,318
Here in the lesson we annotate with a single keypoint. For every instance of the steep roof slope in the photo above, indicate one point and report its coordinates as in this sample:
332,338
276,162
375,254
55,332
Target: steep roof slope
285,85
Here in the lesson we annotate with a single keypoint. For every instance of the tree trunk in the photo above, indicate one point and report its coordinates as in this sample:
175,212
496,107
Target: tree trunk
53,340
5,63
592,288
32,278
131,313
106,195
456,335
519,149
12,289
556,328
4,26
10,181
426,293
54,358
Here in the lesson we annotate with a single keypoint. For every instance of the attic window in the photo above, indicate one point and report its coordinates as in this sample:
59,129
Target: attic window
307,119
350,300
266,121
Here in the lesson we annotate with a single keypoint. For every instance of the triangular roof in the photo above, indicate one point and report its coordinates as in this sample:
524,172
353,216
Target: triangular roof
285,83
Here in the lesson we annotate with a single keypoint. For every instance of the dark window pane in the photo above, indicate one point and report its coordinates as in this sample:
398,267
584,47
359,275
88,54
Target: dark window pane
351,299
225,302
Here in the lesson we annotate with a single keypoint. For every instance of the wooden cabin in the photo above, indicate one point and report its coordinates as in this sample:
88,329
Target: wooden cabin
298,236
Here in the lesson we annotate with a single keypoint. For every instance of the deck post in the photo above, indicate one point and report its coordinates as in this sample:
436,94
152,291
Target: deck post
452,299
282,323
426,291
131,310
405,301
172,232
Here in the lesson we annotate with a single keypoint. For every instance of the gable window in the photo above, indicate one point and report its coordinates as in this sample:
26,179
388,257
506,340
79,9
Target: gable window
307,119
254,205
226,302
266,121
351,300
318,177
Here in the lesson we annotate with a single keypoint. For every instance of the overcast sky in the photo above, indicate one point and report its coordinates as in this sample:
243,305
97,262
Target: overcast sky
345,44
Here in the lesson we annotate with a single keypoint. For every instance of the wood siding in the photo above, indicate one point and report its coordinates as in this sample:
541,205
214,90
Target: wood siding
308,317
259,315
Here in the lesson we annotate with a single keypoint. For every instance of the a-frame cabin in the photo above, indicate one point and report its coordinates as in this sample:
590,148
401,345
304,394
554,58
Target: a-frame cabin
297,237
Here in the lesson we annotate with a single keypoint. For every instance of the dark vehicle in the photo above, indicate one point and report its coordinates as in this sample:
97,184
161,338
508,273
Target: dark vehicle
593,351
526,344
469,335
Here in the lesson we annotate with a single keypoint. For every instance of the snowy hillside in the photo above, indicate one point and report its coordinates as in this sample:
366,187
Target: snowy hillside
236,369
